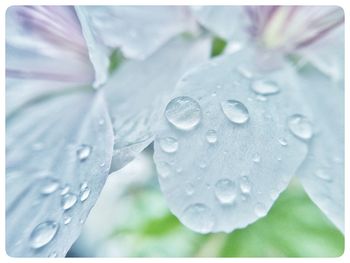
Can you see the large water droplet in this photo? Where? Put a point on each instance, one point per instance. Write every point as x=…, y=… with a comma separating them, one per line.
x=300, y=126
x=84, y=192
x=183, y=112
x=225, y=191
x=265, y=87
x=43, y=233
x=68, y=201
x=245, y=185
x=168, y=144
x=198, y=217
x=235, y=111
x=211, y=136
x=84, y=152
x=260, y=209
x=322, y=174
x=49, y=185
x=164, y=169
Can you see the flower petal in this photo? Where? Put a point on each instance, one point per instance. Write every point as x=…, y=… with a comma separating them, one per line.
x=223, y=152
x=322, y=172
x=139, y=30
x=138, y=90
x=58, y=156
x=46, y=43
x=228, y=22
x=98, y=53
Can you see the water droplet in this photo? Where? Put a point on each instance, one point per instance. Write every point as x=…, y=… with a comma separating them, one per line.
x=260, y=209
x=283, y=141
x=164, y=169
x=225, y=191
x=256, y=158
x=43, y=233
x=261, y=98
x=245, y=185
x=213, y=94
x=189, y=189
x=235, y=111
x=218, y=86
x=53, y=254
x=84, y=152
x=101, y=122
x=84, y=192
x=245, y=72
x=211, y=136
x=322, y=174
x=198, y=217
x=265, y=87
x=169, y=144
x=102, y=164
x=273, y=194
x=49, y=185
x=67, y=219
x=300, y=126
x=68, y=201
x=202, y=164
x=183, y=112
x=65, y=189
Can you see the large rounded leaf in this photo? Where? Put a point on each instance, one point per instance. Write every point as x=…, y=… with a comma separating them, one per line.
x=223, y=148
x=58, y=154
x=138, y=91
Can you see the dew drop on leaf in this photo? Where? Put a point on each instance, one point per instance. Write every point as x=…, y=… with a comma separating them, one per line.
x=168, y=144
x=260, y=209
x=211, y=136
x=256, y=158
x=283, y=141
x=68, y=201
x=300, y=126
x=183, y=112
x=322, y=174
x=84, y=192
x=199, y=217
x=84, y=152
x=67, y=219
x=225, y=191
x=245, y=185
x=43, y=233
x=235, y=111
x=265, y=87
x=164, y=169
x=65, y=189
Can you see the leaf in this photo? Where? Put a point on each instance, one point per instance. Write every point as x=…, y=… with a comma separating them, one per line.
x=138, y=91
x=223, y=152
x=228, y=22
x=98, y=52
x=58, y=154
x=322, y=172
x=138, y=30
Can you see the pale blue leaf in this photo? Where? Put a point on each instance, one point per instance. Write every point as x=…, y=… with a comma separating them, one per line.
x=322, y=173
x=139, y=30
x=138, y=91
x=58, y=155
x=223, y=151
x=228, y=22
x=98, y=52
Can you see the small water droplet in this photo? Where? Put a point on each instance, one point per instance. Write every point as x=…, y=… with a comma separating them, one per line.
x=235, y=111
x=245, y=185
x=102, y=164
x=211, y=136
x=67, y=219
x=260, y=209
x=49, y=185
x=261, y=98
x=213, y=94
x=202, y=164
x=168, y=144
x=283, y=141
x=273, y=194
x=101, y=122
x=65, y=189
x=183, y=112
x=53, y=254
x=256, y=158
x=225, y=191
x=189, y=189
x=68, y=201
x=198, y=217
x=163, y=169
x=218, y=86
x=84, y=152
x=322, y=174
x=279, y=158
x=300, y=126
x=265, y=87
x=245, y=72
x=84, y=192
x=179, y=169
x=42, y=234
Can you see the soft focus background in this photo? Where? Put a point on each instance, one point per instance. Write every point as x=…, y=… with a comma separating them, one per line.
x=131, y=219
